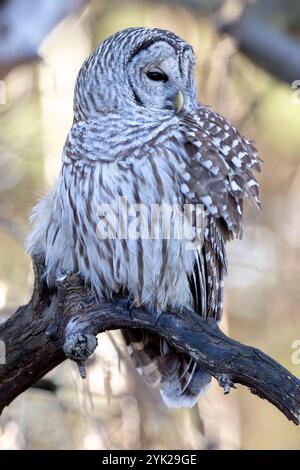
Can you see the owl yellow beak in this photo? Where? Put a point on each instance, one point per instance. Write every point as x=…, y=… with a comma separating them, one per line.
x=179, y=101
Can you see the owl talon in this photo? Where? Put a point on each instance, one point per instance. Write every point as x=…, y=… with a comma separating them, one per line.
x=156, y=313
x=130, y=306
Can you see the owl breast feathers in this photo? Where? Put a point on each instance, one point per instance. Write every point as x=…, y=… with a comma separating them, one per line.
x=141, y=140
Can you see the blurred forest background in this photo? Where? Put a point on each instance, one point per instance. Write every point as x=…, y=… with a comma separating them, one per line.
x=247, y=58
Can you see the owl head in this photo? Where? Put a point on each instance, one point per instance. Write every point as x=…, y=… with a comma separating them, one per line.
x=141, y=68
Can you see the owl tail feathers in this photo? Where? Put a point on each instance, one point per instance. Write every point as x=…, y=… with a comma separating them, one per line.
x=175, y=397
x=181, y=380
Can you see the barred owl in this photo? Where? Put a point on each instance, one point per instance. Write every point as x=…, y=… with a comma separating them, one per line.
x=139, y=132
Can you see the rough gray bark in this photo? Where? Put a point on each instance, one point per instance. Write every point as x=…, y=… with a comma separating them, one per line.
x=53, y=326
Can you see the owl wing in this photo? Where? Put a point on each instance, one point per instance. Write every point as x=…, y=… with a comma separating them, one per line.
x=206, y=280
x=218, y=172
x=219, y=166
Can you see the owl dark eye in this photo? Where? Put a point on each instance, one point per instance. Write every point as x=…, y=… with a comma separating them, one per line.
x=157, y=76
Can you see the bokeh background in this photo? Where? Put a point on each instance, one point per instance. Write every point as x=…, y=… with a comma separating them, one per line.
x=42, y=46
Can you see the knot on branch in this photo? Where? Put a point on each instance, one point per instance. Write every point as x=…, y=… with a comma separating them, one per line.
x=69, y=283
x=225, y=381
x=79, y=347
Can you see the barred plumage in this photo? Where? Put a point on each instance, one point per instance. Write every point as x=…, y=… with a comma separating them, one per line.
x=130, y=138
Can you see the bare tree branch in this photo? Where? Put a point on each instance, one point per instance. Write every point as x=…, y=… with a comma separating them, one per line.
x=53, y=326
x=266, y=45
x=262, y=31
x=23, y=26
